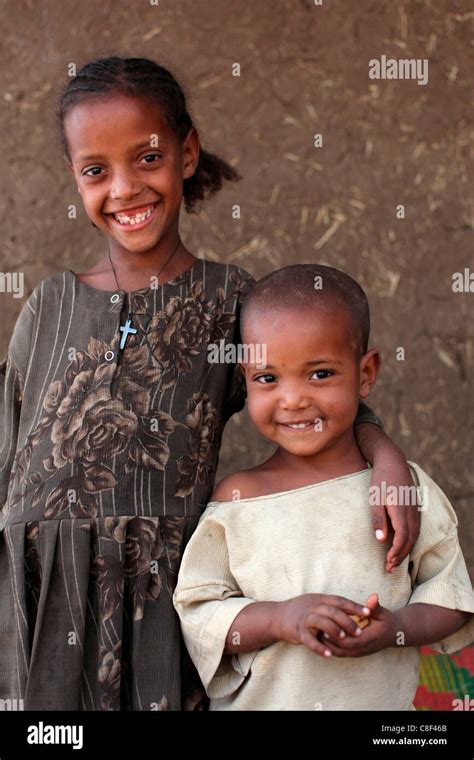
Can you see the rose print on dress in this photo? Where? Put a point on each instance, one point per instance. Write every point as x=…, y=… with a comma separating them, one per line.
x=109, y=678
x=178, y=333
x=88, y=427
x=151, y=549
x=196, y=465
x=98, y=410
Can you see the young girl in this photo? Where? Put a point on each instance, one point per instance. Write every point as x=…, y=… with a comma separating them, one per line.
x=112, y=416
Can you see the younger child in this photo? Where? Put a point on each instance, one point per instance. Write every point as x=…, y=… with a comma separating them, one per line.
x=282, y=556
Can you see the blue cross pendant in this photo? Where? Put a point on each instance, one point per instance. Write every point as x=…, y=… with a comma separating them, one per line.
x=126, y=330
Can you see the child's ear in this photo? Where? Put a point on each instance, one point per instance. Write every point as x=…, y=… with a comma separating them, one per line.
x=369, y=369
x=191, y=151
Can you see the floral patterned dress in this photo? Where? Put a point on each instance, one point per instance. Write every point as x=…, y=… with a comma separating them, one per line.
x=107, y=460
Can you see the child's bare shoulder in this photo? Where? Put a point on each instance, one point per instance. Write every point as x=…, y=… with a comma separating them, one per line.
x=246, y=484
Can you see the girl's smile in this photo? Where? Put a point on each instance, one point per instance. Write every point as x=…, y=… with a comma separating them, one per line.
x=129, y=167
x=135, y=218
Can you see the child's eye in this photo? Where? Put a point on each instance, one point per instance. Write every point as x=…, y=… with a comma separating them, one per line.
x=93, y=168
x=152, y=155
x=262, y=377
x=323, y=374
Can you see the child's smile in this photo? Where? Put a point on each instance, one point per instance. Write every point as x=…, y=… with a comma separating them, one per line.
x=306, y=398
x=305, y=425
x=129, y=167
x=134, y=218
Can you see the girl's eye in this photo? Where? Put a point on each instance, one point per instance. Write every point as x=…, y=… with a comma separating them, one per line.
x=262, y=377
x=322, y=374
x=152, y=155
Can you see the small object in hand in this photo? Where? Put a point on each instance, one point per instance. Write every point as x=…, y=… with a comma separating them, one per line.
x=360, y=621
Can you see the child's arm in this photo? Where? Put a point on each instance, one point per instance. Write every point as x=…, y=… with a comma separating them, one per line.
x=440, y=609
x=13, y=370
x=209, y=602
x=427, y=623
x=390, y=468
x=207, y=599
x=296, y=621
x=10, y=388
x=412, y=626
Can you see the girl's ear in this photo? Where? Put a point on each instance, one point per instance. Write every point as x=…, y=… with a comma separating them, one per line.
x=369, y=369
x=191, y=150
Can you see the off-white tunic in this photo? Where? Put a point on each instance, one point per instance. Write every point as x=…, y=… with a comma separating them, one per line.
x=314, y=539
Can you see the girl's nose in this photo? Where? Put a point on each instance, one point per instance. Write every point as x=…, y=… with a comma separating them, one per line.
x=124, y=186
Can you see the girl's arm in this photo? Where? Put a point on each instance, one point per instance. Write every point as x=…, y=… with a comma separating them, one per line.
x=10, y=389
x=12, y=373
x=390, y=475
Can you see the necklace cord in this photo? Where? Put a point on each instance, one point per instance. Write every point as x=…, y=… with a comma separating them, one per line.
x=130, y=315
x=157, y=275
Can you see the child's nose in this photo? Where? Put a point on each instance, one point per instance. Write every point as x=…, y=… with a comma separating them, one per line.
x=293, y=398
x=124, y=185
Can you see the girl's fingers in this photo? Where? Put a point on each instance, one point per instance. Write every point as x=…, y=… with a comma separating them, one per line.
x=379, y=522
x=406, y=533
x=401, y=539
x=413, y=520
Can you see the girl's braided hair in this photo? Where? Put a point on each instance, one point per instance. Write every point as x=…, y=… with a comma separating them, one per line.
x=141, y=77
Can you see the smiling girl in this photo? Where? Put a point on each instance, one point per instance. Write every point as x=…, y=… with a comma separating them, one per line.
x=112, y=416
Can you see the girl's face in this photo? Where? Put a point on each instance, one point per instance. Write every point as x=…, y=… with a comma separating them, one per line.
x=127, y=161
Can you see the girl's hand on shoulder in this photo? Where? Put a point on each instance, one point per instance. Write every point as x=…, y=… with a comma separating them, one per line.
x=380, y=633
x=304, y=619
x=391, y=478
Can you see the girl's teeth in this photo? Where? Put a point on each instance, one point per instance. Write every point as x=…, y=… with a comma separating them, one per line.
x=299, y=425
x=133, y=219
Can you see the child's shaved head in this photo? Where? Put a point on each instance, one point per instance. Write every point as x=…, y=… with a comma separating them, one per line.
x=303, y=287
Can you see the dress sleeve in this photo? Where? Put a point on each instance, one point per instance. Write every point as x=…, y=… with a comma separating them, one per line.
x=438, y=569
x=12, y=377
x=365, y=414
x=207, y=600
x=11, y=390
x=236, y=392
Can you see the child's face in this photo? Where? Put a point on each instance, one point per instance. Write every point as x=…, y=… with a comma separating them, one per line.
x=313, y=374
x=126, y=158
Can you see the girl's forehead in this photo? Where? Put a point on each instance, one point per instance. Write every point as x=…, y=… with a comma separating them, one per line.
x=119, y=110
x=118, y=119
